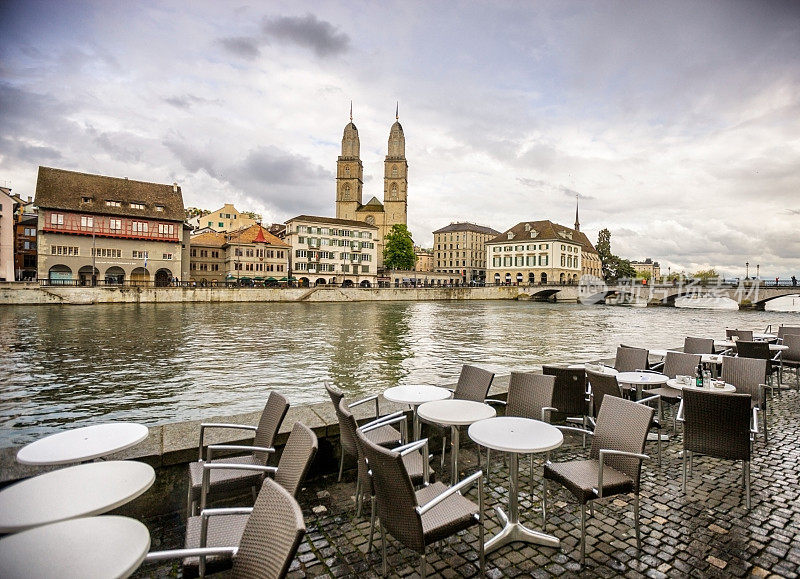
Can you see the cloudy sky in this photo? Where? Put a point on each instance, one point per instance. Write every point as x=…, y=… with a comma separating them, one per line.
x=677, y=123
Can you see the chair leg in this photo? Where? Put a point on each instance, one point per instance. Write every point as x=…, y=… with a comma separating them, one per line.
x=488, y=463
x=636, y=521
x=341, y=466
x=371, y=523
x=383, y=550
x=659, y=447
x=746, y=474
x=683, y=460
x=422, y=566
x=444, y=439
x=359, y=498
x=583, y=534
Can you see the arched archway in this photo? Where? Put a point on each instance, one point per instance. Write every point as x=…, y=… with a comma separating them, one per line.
x=497, y=279
x=365, y=283
x=508, y=279
x=115, y=276
x=561, y=277
x=519, y=278
x=531, y=278
x=543, y=278
x=60, y=275
x=347, y=283
x=320, y=281
x=163, y=277
x=302, y=282
x=140, y=276
x=87, y=275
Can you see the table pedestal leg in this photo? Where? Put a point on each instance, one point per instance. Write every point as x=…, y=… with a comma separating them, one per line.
x=415, y=426
x=454, y=454
x=513, y=530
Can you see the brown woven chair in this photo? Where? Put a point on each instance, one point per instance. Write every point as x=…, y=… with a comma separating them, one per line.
x=569, y=390
x=268, y=542
x=698, y=345
x=675, y=364
x=784, y=331
x=718, y=425
x=615, y=460
x=745, y=335
x=606, y=385
x=231, y=482
x=747, y=375
x=761, y=351
x=418, y=519
x=387, y=435
x=209, y=530
x=791, y=357
x=630, y=359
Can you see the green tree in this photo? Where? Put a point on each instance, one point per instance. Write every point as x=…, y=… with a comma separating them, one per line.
x=706, y=274
x=614, y=267
x=399, y=250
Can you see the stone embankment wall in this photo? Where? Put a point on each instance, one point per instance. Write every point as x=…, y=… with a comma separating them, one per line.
x=34, y=294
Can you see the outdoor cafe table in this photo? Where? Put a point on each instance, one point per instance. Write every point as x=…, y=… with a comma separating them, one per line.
x=705, y=358
x=673, y=383
x=731, y=344
x=108, y=546
x=81, y=444
x=598, y=368
x=75, y=491
x=641, y=379
x=516, y=436
x=414, y=396
x=455, y=413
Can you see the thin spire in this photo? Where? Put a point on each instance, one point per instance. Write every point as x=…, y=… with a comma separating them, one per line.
x=577, y=223
x=351, y=111
x=397, y=111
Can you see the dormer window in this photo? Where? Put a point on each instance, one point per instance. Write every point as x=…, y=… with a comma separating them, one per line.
x=159, y=208
x=527, y=227
x=534, y=233
x=137, y=205
x=112, y=203
x=86, y=199
x=511, y=235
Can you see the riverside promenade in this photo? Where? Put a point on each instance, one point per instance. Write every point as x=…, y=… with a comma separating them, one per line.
x=706, y=532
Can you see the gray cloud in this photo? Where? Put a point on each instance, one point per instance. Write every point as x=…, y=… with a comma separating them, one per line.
x=28, y=153
x=309, y=32
x=243, y=46
x=540, y=184
x=187, y=101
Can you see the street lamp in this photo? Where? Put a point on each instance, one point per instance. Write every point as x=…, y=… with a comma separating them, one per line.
x=747, y=265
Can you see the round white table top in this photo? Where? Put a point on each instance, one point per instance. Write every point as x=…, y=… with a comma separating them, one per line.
x=764, y=336
x=455, y=412
x=513, y=434
x=673, y=383
x=641, y=378
x=778, y=347
x=75, y=491
x=706, y=358
x=599, y=368
x=99, y=547
x=82, y=444
x=413, y=395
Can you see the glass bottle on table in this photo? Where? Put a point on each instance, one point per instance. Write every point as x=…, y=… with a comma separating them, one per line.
x=698, y=375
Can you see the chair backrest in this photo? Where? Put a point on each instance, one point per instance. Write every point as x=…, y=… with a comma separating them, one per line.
x=746, y=335
x=270, y=422
x=698, y=345
x=792, y=341
x=528, y=393
x=622, y=425
x=297, y=456
x=347, y=432
x=602, y=385
x=784, y=331
x=717, y=424
x=760, y=350
x=271, y=535
x=569, y=392
x=473, y=383
x=746, y=374
x=630, y=359
x=677, y=364
x=394, y=494
x=348, y=422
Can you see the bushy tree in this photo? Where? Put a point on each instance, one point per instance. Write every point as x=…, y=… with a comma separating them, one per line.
x=706, y=274
x=399, y=250
x=614, y=267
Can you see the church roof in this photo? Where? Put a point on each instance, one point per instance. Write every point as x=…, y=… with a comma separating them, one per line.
x=466, y=226
x=372, y=205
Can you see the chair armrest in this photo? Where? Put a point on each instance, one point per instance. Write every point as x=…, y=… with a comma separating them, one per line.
x=205, y=425
x=546, y=410
x=213, y=448
x=655, y=367
x=603, y=452
x=492, y=401
x=679, y=415
x=451, y=491
x=209, y=466
x=649, y=399
x=205, y=514
x=181, y=553
x=580, y=431
x=421, y=445
x=398, y=417
x=368, y=399
x=411, y=447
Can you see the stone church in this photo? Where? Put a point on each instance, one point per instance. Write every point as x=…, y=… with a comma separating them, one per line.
x=350, y=182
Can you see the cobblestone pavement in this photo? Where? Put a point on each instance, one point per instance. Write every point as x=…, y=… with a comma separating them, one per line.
x=705, y=533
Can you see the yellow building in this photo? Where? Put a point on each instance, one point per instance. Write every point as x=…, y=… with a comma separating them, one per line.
x=647, y=268
x=459, y=249
x=227, y=218
x=424, y=259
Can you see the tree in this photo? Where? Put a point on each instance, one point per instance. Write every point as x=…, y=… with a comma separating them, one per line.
x=399, y=250
x=706, y=274
x=614, y=267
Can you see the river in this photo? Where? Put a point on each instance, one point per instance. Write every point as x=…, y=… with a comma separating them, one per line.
x=159, y=363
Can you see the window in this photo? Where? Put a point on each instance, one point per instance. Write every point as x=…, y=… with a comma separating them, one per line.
x=64, y=250
x=139, y=226
x=166, y=256
x=364, y=268
x=301, y=253
x=30, y=231
x=215, y=254
x=166, y=229
x=137, y=206
x=221, y=224
x=507, y=260
x=57, y=219
x=139, y=254
x=193, y=253
x=159, y=208
x=115, y=224
x=86, y=199
x=87, y=221
x=106, y=252
x=111, y=203
x=496, y=262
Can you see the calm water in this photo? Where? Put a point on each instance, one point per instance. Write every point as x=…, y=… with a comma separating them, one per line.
x=158, y=363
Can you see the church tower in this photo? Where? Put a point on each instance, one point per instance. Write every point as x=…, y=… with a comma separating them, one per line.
x=349, y=173
x=395, y=180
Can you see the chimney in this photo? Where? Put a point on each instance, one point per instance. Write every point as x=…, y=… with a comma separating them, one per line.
x=174, y=187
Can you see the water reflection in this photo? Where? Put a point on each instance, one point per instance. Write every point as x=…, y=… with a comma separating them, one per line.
x=158, y=363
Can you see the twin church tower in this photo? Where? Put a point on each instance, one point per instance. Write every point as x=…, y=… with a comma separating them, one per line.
x=350, y=183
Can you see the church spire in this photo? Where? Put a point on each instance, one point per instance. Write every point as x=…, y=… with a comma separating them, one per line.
x=397, y=111
x=577, y=223
x=351, y=111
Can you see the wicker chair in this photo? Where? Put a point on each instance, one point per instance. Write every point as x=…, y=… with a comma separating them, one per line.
x=386, y=435
x=208, y=530
x=418, y=519
x=606, y=385
x=761, y=351
x=630, y=359
x=233, y=481
x=268, y=542
x=747, y=375
x=698, y=345
x=784, y=331
x=675, y=364
x=569, y=391
x=745, y=335
x=717, y=425
x=615, y=461
x=791, y=357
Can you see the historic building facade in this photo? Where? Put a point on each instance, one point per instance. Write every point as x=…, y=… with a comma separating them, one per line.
x=6, y=235
x=227, y=218
x=647, y=268
x=350, y=185
x=459, y=249
x=97, y=229
x=325, y=250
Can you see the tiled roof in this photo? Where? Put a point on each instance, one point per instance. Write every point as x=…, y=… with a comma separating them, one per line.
x=331, y=220
x=466, y=226
x=545, y=230
x=208, y=239
x=66, y=190
x=372, y=206
x=250, y=234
